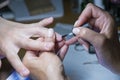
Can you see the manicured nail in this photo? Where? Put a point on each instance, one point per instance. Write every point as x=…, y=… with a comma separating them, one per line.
x=24, y=73
x=76, y=30
x=76, y=23
x=50, y=32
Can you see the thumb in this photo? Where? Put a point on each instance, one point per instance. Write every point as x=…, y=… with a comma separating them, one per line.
x=87, y=35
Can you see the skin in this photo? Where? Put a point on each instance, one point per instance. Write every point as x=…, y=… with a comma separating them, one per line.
x=103, y=36
x=14, y=36
x=47, y=64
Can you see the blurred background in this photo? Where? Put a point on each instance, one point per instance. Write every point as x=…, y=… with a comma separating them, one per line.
x=29, y=10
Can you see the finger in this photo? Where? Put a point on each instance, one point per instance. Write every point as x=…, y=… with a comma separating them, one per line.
x=63, y=51
x=17, y=64
x=58, y=37
x=91, y=11
x=87, y=35
x=46, y=21
x=38, y=45
x=71, y=41
x=51, y=36
x=38, y=28
x=84, y=43
x=29, y=58
x=10, y=51
x=36, y=31
x=60, y=44
x=42, y=23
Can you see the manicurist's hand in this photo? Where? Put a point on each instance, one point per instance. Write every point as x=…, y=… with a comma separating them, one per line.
x=103, y=36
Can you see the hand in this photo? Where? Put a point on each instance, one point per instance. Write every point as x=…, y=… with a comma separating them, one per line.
x=60, y=46
x=103, y=37
x=45, y=66
x=14, y=36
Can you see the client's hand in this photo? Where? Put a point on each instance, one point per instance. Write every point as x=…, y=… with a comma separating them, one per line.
x=44, y=65
x=14, y=36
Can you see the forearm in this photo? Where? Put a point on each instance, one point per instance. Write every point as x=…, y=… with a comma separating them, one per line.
x=115, y=63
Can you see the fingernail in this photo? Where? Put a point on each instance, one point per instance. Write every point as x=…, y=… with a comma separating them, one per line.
x=76, y=23
x=50, y=32
x=75, y=30
x=24, y=73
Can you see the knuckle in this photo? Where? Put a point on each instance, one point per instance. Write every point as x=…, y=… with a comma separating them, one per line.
x=83, y=31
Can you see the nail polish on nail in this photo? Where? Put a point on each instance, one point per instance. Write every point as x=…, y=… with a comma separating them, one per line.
x=50, y=32
x=75, y=30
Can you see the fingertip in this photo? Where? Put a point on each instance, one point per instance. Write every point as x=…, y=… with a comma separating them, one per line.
x=63, y=51
x=76, y=31
x=89, y=4
x=24, y=72
x=50, y=19
x=71, y=41
x=18, y=65
x=46, y=21
x=58, y=37
x=76, y=23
